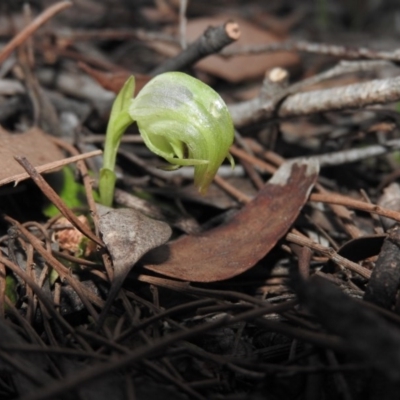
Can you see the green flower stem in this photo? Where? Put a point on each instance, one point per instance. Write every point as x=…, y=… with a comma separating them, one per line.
x=120, y=120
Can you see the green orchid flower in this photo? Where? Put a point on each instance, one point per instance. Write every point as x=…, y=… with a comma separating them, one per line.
x=180, y=118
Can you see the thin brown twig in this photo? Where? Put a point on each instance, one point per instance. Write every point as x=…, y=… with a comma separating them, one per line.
x=25, y=34
x=343, y=214
x=56, y=200
x=31, y=348
x=31, y=297
x=146, y=322
x=212, y=41
x=35, y=338
x=70, y=383
x=87, y=180
x=38, y=291
x=79, y=35
x=252, y=159
x=231, y=190
x=186, y=287
x=317, y=48
x=329, y=198
x=37, y=376
x=333, y=198
x=184, y=387
x=63, y=271
x=49, y=167
x=252, y=172
x=330, y=253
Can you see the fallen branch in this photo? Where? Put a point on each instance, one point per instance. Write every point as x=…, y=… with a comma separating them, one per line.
x=357, y=95
x=212, y=41
x=50, y=167
x=56, y=200
x=316, y=48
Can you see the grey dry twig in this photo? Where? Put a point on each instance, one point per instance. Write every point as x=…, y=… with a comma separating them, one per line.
x=212, y=41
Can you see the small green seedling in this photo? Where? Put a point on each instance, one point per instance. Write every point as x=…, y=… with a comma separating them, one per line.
x=71, y=192
x=180, y=118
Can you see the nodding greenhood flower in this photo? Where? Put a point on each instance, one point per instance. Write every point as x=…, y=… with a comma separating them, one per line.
x=180, y=118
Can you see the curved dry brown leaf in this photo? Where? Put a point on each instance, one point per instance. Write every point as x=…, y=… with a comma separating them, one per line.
x=127, y=234
x=233, y=248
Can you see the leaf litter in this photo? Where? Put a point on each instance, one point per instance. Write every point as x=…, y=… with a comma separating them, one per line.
x=128, y=235
x=220, y=312
x=33, y=144
x=230, y=249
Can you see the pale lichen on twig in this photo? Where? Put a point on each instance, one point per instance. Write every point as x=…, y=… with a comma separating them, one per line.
x=290, y=103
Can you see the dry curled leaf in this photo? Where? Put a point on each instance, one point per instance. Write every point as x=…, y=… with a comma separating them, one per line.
x=383, y=286
x=128, y=235
x=233, y=248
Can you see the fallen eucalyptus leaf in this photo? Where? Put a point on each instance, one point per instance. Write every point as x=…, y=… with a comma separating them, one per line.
x=238, y=245
x=128, y=235
x=33, y=144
